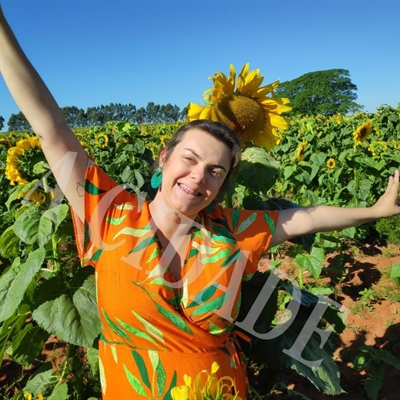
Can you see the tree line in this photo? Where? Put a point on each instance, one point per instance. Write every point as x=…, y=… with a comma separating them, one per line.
x=327, y=92
x=96, y=116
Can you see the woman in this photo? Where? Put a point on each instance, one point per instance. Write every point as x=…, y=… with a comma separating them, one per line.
x=168, y=272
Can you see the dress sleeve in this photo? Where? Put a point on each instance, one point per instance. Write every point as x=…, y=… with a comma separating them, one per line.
x=253, y=231
x=101, y=193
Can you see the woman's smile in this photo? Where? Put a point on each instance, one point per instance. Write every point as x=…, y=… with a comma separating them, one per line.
x=189, y=191
x=194, y=172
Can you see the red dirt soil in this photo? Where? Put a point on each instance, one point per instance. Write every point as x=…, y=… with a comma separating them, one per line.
x=377, y=325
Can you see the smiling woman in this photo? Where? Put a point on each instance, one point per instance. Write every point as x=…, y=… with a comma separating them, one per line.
x=196, y=166
x=169, y=271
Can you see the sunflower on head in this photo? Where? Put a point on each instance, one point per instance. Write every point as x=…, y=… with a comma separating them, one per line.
x=244, y=106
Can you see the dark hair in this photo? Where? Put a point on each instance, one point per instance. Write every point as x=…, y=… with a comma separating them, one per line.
x=219, y=131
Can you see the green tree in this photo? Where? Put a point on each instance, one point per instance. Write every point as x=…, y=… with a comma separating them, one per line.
x=152, y=111
x=18, y=122
x=1, y=122
x=326, y=92
x=75, y=117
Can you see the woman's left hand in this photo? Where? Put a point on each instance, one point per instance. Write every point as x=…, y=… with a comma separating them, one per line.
x=388, y=204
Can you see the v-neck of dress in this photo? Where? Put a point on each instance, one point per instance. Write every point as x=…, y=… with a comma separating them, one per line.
x=183, y=261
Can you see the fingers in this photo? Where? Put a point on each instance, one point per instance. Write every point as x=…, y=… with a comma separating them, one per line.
x=393, y=182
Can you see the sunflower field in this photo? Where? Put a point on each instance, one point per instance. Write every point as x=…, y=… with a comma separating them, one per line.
x=339, y=160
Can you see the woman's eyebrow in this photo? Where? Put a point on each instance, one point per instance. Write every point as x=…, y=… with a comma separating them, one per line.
x=201, y=158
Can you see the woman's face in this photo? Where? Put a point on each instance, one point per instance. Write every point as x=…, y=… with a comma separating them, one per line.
x=194, y=172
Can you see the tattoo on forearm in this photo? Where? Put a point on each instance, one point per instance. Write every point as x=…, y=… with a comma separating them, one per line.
x=80, y=189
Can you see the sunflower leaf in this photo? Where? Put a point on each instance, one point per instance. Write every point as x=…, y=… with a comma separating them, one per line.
x=258, y=170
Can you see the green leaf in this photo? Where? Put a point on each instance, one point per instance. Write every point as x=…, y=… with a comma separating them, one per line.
x=212, y=259
x=40, y=168
x=60, y=392
x=143, y=244
x=325, y=378
x=135, y=383
x=246, y=223
x=142, y=368
x=175, y=319
x=364, y=189
x=11, y=327
x=258, y=170
x=116, y=221
x=395, y=271
x=161, y=378
x=349, y=232
x=40, y=379
x=372, y=388
x=172, y=385
x=16, y=280
x=50, y=221
x=313, y=262
x=151, y=329
x=9, y=243
x=23, y=188
x=93, y=359
x=28, y=344
x=132, y=232
x=114, y=327
x=135, y=331
x=127, y=174
x=139, y=178
x=26, y=227
x=74, y=320
x=93, y=189
x=318, y=158
x=389, y=358
x=212, y=305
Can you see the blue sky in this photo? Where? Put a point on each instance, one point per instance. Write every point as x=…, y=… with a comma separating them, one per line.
x=99, y=52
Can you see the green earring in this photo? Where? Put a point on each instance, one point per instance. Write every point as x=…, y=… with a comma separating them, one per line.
x=156, y=179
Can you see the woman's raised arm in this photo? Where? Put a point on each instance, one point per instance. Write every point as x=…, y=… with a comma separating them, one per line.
x=62, y=149
x=302, y=221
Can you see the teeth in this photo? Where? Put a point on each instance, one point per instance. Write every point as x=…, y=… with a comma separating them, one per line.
x=187, y=190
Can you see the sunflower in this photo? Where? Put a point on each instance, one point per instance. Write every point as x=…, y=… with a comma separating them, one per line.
x=362, y=132
x=5, y=143
x=377, y=148
x=331, y=163
x=394, y=144
x=244, y=106
x=28, y=396
x=205, y=386
x=14, y=162
x=153, y=148
x=101, y=140
x=300, y=150
x=164, y=139
x=87, y=147
x=338, y=119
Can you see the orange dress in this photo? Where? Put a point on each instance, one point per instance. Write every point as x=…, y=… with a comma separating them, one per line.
x=155, y=329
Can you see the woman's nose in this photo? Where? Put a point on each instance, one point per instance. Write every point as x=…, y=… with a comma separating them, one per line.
x=198, y=174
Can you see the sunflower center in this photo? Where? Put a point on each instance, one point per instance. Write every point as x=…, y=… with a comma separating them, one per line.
x=363, y=133
x=241, y=113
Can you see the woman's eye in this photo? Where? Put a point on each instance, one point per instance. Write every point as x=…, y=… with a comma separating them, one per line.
x=216, y=173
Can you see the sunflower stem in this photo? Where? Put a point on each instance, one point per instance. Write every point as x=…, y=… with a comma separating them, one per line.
x=54, y=246
x=300, y=277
